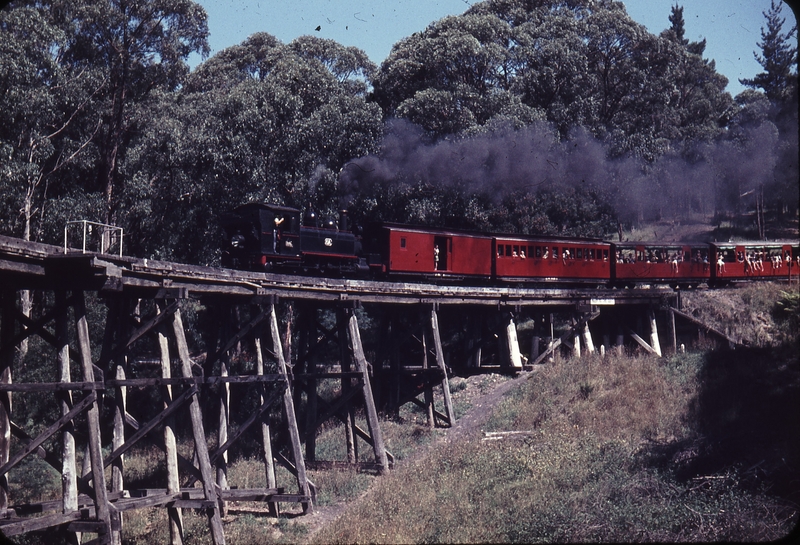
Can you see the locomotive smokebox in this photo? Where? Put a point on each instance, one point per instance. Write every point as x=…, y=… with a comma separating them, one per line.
x=344, y=221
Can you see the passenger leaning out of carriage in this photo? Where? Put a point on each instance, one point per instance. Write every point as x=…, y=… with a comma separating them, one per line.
x=720, y=265
x=748, y=263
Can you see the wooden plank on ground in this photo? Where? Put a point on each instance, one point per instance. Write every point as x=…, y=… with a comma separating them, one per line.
x=707, y=328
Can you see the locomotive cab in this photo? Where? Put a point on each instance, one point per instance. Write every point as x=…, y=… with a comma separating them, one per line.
x=260, y=235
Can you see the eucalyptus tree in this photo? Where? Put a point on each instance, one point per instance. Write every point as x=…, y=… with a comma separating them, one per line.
x=452, y=77
x=141, y=46
x=572, y=62
x=701, y=106
x=73, y=74
x=48, y=120
x=261, y=120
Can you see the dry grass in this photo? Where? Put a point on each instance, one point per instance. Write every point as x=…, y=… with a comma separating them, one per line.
x=745, y=312
x=591, y=468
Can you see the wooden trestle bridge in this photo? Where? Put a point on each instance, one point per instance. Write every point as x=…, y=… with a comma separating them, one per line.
x=125, y=369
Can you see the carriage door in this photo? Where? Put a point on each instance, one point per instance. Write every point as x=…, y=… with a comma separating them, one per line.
x=442, y=253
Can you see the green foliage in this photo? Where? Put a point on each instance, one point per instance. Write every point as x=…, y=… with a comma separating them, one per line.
x=259, y=121
x=104, y=121
x=576, y=64
x=778, y=58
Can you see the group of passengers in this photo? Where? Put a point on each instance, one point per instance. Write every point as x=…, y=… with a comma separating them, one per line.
x=652, y=256
x=754, y=261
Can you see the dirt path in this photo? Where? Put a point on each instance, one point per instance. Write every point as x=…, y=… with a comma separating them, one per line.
x=468, y=425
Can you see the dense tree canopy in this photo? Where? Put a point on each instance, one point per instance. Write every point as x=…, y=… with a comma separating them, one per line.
x=553, y=116
x=577, y=63
x=259, y=121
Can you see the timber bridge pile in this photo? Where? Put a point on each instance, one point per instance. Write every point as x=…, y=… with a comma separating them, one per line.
x=102, y=388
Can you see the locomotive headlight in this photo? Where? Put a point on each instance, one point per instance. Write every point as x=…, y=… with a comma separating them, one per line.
x=237, y=241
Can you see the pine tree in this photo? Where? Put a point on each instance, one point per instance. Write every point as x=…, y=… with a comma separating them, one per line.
x=678, y=27
x=778, y=58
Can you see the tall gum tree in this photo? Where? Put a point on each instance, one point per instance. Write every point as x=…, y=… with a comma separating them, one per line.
x=141, y=46
x=260, y=120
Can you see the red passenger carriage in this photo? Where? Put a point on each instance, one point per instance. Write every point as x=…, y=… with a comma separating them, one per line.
x=676, y=263
x=544, y=259
x=734, y=261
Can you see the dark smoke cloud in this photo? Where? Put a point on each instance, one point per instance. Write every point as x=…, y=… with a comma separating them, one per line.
x=494, y=164
x=506, y=161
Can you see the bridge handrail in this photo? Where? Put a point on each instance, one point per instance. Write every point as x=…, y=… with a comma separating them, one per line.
x=105, y=234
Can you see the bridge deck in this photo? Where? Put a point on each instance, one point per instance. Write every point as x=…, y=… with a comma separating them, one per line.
x=29, y=265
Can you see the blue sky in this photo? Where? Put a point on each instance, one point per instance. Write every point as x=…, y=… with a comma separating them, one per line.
x=732, y=28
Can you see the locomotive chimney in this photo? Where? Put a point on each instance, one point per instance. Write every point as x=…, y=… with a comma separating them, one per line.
x=310, y=217
x=344, y=222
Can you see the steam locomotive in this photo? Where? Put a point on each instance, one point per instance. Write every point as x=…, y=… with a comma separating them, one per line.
x=267, y=237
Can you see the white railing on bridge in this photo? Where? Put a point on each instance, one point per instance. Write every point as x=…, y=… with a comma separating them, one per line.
x=96, y=237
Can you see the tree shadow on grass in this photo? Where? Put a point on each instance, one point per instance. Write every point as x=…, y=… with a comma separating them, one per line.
x=746, y=419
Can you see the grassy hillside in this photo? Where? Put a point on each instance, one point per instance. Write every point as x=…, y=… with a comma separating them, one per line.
x=697, y=447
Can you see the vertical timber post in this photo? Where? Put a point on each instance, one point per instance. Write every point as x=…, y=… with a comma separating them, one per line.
x=92, y=416
x=654, y=332
x=512, y=342
x=672, y=331
x=6, y=340
x=200, y=445
x=288, y=406
x=174, y=514
x=587, y=338
x=394, y=364
x=266, y=439
x=344, y=362
x=69, y=467
x=576, y=339
x=437, y=342
x=115, y=324
x=535, y=347
x=474, y=330
x=372, y=414
x=428, y=394
x=224, y=412
x=308, y=326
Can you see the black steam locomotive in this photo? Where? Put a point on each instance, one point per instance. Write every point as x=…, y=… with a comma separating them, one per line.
x=267, y=237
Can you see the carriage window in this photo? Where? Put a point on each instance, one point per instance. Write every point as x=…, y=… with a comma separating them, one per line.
x=499, y=250
x=402, y=242
x=579, y=253
x=555, y=252
x=508, y=250
x=538, y=251
x=605, y=255
x=591, y=254
x=515, y=251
